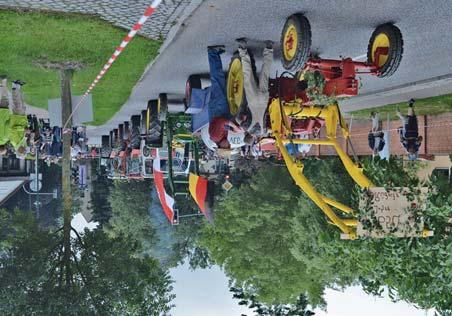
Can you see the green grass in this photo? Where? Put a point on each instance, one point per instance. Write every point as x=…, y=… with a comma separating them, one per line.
x=30, y=37
x=427, y=106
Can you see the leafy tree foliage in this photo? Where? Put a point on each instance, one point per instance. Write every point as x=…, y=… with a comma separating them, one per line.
x=251, y=235
x=102, y=277
x=273, y=241
x=297, y=309
x=175, y=244
x=187, y=246
x=101, y=187
x=129, y=202
x=138, y=217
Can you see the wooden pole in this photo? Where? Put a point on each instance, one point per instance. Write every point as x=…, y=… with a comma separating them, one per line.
x=66, y=109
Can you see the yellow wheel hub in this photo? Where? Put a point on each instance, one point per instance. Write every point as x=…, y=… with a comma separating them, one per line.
x=381, y=40
x=235, y=86
x=290, y=42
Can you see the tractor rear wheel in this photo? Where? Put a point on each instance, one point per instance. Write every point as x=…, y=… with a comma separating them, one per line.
x=162, y=107
x=105, y=141
x=135, y=137
x=295, y=42
x=193, y=82
x=143, y=121
x=126, y=130
x=121, y=131
x=106, y=146
x=234, y=85
x=135, y=120
x=112, y=139
x=116, y=141
x=386, y=36
x=153, y=125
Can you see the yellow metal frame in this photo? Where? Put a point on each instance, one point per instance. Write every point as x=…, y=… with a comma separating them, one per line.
x=279, y=115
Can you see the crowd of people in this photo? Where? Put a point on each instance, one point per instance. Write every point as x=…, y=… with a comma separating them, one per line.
x=15, y=133
x=242, y=130
x=25, y=136
x=408, y=132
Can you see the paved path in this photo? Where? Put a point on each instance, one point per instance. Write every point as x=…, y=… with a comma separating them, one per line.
x=338, y=28
x=122, y=13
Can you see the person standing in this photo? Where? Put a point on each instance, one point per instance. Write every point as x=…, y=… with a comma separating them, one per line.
x=56, y=148
x=4, y=116
x=221, y=126
x=256, y=92
x=409, y=133
x=218, y=101
x=4, y=99
x=18, y=120
x=18, y=99
x=376, y=135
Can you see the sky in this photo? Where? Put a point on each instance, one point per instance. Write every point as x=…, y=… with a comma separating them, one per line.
x=79, y=224
x=205, y=293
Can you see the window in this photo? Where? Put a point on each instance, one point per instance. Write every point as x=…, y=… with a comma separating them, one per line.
x=14, y=164
x=4, y=164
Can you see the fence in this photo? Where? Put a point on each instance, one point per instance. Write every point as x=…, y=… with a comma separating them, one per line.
x=436, y=131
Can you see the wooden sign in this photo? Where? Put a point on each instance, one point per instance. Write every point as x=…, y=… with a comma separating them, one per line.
x=392, y=212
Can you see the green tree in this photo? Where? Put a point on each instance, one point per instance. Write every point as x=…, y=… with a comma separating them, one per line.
x=273, y=241
x=175, y=244
x=101, y=187
x=187, y=246
x=417, y=270
x=129, y=202
x=297, y=309
x=251, y=235
x=102, y=277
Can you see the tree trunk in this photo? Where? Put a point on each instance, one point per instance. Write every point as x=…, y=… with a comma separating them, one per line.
x=66, y=108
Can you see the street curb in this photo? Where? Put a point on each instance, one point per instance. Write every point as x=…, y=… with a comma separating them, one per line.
x=418, y=84
x=412, y=87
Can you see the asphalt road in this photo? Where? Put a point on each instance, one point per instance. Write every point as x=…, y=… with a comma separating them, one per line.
x=339, y=28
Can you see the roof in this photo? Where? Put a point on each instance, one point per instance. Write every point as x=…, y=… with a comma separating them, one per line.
x=9, y=186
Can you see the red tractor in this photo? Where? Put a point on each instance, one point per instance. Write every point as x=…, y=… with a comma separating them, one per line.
x=308, y=74
x=384, y=54
x=312, y=81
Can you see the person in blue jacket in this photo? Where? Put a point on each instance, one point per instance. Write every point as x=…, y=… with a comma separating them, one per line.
x=409, y=133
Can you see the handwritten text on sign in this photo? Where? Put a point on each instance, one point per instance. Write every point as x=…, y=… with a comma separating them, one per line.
x=392, y=213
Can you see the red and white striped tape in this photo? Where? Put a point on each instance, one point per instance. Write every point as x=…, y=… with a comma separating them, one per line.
x=117, y=52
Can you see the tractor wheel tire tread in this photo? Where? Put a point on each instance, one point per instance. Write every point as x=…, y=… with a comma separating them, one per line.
x=304, y=41
x=395, y=48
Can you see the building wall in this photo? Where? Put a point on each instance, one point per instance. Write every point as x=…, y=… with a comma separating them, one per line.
x=12, y=166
